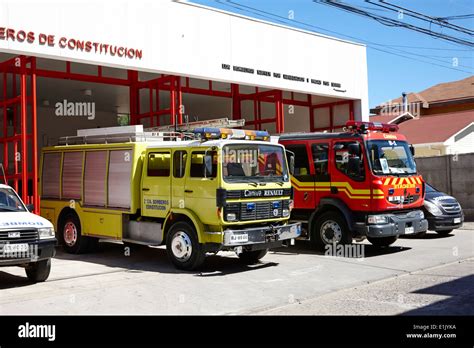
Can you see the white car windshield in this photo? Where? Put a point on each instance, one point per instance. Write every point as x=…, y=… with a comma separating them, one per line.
x=9, y=201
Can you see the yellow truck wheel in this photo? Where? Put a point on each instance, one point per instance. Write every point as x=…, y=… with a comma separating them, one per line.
x=183, y=248
x=71, y=237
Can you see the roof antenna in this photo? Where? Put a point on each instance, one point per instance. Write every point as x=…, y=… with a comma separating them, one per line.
x=3, y=172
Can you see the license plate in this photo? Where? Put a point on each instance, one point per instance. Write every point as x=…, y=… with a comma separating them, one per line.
x=295, y=230
x=457, y=220
x=15, y=248
x=409, y=230
x=239, y=238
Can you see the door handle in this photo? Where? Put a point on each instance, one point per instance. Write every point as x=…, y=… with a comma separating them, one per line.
x=334, y=189
x=188, y=191
x=145, y=189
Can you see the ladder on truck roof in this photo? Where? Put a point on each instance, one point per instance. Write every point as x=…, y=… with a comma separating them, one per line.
x=121, y=134
x=137, y=133
x=190, y=126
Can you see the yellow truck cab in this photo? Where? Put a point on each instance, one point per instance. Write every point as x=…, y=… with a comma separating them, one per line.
x=197, y=192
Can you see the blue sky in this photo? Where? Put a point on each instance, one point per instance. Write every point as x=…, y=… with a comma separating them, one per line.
x=390, y=74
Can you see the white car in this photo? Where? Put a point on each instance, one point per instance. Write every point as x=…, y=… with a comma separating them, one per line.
x=26, y=240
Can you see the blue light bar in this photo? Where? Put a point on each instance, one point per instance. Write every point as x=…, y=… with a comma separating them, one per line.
x=208, y=133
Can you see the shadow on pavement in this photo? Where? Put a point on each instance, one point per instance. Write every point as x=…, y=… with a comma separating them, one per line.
x=151, y=259
x=305, y=247
x=428, y=235
x=459, y=302
x=8, y=281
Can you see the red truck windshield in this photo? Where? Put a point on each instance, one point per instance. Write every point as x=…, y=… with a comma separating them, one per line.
x=390, y=157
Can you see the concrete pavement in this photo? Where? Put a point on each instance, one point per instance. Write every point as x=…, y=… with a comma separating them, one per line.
x=110, y=282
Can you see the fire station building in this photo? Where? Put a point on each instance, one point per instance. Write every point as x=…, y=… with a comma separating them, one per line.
x=69, y=65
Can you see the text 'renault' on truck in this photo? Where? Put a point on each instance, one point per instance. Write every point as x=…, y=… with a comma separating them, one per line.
x=361, y=183
x=198, y=190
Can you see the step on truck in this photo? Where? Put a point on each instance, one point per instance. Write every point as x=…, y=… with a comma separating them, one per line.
x=197, y=191
x=357, y=184
x=26, y=240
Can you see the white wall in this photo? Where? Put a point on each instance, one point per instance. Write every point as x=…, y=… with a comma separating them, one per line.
x=190, y=40
x=463, y=145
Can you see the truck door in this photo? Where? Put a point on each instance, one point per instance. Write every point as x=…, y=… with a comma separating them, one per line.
x=302, y=179
x=348, y=179
x=201, y=185
x=156, y=183
x=320, y=159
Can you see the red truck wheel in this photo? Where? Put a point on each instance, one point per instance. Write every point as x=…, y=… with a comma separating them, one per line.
x=330, y=228
x=252, y=257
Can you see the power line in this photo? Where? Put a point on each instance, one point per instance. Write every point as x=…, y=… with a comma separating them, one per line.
x=426, y=18
x=433, y=48
x=393, y=22
x=466, y=16
x=284, y=20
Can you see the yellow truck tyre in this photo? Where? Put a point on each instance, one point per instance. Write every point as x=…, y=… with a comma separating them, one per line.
x=71, y=237
x=38, y=271
x=183, y=248
x=252, y=257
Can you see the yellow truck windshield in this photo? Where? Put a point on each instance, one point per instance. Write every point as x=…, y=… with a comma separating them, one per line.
x=243, y=162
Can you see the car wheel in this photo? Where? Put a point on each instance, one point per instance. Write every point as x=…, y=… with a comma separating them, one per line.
x=383, y=241
x=444, y=233
x=38, y=271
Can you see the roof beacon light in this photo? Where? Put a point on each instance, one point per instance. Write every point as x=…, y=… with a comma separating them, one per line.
x=363, y=127
x=208, y=133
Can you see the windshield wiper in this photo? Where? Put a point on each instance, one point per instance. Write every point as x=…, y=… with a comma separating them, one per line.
x=8, y=209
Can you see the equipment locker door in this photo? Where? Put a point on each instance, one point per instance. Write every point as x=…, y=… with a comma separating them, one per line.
x=156, y=183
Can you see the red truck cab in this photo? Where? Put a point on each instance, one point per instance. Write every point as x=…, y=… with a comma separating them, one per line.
x=361, y=183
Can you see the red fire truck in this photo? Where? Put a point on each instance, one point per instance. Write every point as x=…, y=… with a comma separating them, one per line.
x=361, y=183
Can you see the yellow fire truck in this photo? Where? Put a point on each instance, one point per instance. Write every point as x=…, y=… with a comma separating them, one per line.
x=198, y=191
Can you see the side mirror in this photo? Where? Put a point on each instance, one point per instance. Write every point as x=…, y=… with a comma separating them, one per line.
x=30, y=207
x=354, y=149
x=353, y=166
x=290, y=156
x=412, y=150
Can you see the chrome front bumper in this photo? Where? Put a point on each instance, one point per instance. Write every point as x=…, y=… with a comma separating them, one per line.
x=271, y=235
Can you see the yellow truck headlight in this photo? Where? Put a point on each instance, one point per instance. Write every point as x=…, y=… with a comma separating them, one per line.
x=46, y=232
x=231, y=217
